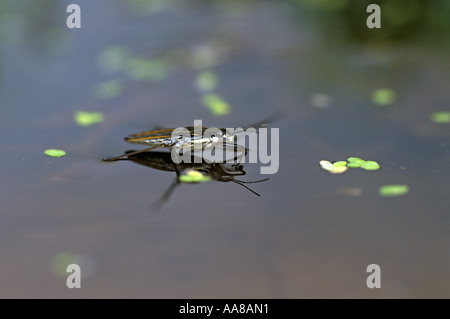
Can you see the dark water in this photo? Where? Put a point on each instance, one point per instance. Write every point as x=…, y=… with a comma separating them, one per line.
x=306, y=236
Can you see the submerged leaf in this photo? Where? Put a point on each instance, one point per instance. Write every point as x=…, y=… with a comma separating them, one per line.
x=440, y=117
x=383, y=96
x=84, y=118
x=206, y=81
x=54, y=153
x=393, y=190
x=216, y=104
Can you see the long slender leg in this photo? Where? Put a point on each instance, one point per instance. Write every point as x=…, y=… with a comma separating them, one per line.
x=112, y=159
x=243, y=182
x=167, y=194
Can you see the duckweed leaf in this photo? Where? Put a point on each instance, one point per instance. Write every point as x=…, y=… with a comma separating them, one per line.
x=370, y=165
x=83, y=118
x=383, y=96
x=440, y=117
x=216, y=104
x=54, y=153
x=338, y=170
x=328, y=166
x=193, y=176
x=393, y=190
x=355, y=160
x=340, y=164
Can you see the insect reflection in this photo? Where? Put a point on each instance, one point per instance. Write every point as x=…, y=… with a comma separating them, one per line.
x=215, y=171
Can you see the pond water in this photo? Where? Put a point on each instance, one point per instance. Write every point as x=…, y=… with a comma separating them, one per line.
x=310, y=234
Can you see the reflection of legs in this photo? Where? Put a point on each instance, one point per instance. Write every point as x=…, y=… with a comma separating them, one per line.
x=167, y=194
x=112, y=159
x=243, y=182
x=236, y=148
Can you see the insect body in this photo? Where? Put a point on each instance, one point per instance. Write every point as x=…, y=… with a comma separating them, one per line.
x=188, y=138
x=167, y=138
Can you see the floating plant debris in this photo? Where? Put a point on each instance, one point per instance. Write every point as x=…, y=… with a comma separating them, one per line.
x=383, y=96
x=206, y=81
x=353, y=162
x=193, y=176
x=216, y=104
x=334, y=169
x=393, y=190
x=54, y=152
x=83, y=118
x=440, y=117
x=370, y=165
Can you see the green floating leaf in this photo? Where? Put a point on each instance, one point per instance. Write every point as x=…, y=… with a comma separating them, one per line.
x=383, y=96
x=340, y=164
x=440, y=117
x=354, y=165
x=54, y=152
x=113, y=59
x=328, y=166
x=393, y=190
x=148, y=69
x=206, y=81
x=108, y=89
x=193, y=176
x=370, y=165
x=216, y=104
x=83, y=118
x=355, y=160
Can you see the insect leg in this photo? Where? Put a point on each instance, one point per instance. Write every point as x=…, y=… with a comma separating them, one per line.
x=239, y=149
x=167, y=194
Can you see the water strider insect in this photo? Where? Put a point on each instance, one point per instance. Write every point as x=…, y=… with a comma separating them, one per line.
x=163, y=161
x=169, y=138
